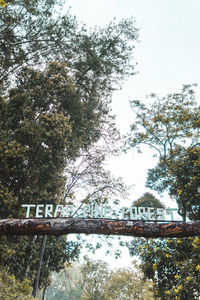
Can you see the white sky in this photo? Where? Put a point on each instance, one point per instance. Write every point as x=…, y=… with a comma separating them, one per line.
x=167, y=56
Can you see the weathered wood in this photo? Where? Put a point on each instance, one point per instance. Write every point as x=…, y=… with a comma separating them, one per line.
x=60, y=226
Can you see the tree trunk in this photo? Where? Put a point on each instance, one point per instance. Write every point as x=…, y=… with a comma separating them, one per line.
x=60, y=226
x=37, y=277
x=43, y=294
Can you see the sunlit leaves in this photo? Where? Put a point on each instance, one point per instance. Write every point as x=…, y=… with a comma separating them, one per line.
x=170, y=126
x=11, y=289
x=3, y=3
x=172, y=264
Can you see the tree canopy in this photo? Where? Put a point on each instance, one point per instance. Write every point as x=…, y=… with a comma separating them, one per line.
x=56, y=83
x=34, y=33
x=148, y=200
x=96, y=280
x=170, y=125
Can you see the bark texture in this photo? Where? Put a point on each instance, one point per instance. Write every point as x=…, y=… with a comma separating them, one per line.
x=60, y=226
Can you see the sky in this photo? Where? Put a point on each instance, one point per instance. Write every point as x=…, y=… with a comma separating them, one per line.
x=167, y=57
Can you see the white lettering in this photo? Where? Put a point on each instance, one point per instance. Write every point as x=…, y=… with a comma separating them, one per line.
x=28, y=206
x=59, y=209
x=160, y=213
x=48, y=210
x=70, y=209
x=133, y=212
x=151, y=213
x=141, y=211
x=85, y=210
x=39, y=210
x=107, y=211
x=98, y=211
x=123, y=211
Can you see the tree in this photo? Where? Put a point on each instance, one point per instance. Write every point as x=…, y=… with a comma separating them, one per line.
x=183, y=182
x=148, y=200
x=52, y=113
x=171, y=127
x=99, y=282
x=66, y=284
x=34, y=141
x=127, y=283
x=172, y=265
x=95, y=280
x=30, y=34
x=34, y=33
x=88, y=177
x=11, y=289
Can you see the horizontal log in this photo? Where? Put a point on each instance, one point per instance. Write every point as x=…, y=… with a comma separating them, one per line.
x=61, y=226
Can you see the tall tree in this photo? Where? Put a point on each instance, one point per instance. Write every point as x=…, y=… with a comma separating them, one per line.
x=52, y=112
x=170, y=126
x=33, y=33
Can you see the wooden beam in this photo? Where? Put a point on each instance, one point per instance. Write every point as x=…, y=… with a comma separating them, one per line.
x=61, y=226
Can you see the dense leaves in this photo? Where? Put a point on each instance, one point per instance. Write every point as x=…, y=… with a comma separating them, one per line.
x=95, y=280
x=56, y=81
x=148, y=200
x=171, y=126
x=34, y=33
x=11, y=289
x=172, y=265
x=3, y=3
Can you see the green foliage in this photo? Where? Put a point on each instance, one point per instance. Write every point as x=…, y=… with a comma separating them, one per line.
x=36, y=139
x=56, y=80
x=126, y=283
x=183, y=182
x=34, y=33
x=20, y=255
x=95, y=280
x=29, y=34
x=171, y=126
x=172, y=265
x=164, y=122
x=11, y=289
x=94, y=275
x=3, y=3
x=148, y=200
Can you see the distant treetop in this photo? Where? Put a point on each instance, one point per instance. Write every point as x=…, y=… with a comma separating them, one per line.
x=148, y=200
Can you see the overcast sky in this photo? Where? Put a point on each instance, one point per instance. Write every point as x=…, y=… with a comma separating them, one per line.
x=167, y=57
